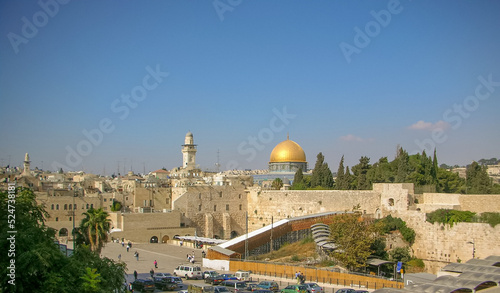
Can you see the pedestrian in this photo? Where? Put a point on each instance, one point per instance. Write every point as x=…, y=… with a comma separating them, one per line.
x=128, y=247
x=180, y=243
x=135, y=275
x=120, y=257
x=152, y=272
x=130, y=288
x=203, y=254
x=136, y=254
x=156, y=264
x=123, y=244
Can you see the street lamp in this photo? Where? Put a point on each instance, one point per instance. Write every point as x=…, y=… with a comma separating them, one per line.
x=473, y=248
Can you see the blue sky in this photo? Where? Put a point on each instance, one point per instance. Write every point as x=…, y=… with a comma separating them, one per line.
x=352, y=78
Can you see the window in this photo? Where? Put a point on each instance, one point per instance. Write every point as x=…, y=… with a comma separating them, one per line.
x=199, y=195
x=227, y=207
x=240, y=207
x=65, y=206
x=70, y=207
x=105, y=200
x=239, y=196
x=57, y=219
x=57, y=206
x=199, y=208
x=74, y=206
x=215, y=207
x=52, y=207
x=91, y=205
x=391, y=202
x=87, y=206
x=220, y=193
x=70, y=218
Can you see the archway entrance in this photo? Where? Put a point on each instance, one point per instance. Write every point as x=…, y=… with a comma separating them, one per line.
x=234, y=234
x=63, y=232
x=165, y=238
x=153, y=239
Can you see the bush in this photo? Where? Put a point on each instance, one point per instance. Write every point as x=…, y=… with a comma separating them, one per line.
x=491, y=218
x=447, y=216
x=390, y=223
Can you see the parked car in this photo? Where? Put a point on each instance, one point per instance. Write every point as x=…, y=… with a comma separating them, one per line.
x=235, y=285
x=165, y=283
x=313, y=288
x=252, y=287
x=221, y=289
x=345, y=290
x=214, y=280
x=294, y=289
x=269, y=285
x=177, y=280
x=162, y=275
x=228, y=276
x=207, y=274
x=242, y=275
x=361, y=291
x=142, y=285
x=189, y=272
x=262, y=291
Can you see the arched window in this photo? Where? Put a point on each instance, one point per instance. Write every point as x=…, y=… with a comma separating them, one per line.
x=87, y=206
x=63, y=232
x=70, y=207
x=57, y=206
x=91, y=205
x=65, y=206
x=74, y=206
x=52, y=207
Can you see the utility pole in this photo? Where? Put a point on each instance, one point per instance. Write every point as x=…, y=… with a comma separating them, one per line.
x=246, y=239
x=271, y=242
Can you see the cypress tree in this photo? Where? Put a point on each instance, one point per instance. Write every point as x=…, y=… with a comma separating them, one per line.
x=340, y=183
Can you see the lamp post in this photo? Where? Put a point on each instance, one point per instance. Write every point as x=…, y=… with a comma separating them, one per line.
x=473, y=248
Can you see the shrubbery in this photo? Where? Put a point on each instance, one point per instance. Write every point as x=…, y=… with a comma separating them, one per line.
x=390, y=223
x=447, y=216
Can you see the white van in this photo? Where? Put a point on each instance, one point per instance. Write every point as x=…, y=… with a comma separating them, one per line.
x=242, y=275
x=189, y=272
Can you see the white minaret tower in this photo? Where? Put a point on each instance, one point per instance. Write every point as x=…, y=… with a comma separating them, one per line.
x=189, y=152
x=27, y=171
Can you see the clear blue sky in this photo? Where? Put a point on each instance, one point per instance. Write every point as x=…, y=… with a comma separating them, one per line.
x=357, y=78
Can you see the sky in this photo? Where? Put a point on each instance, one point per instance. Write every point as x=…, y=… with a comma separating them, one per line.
x=108, y=86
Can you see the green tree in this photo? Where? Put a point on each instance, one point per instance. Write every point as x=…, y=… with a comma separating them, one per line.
x=360, y=172
x=341, y=183
x=401, y=165
x=400, y=254
x=478, y=181
x=354, y=237
x=95, y=226
x=91, y=280
x=297, y=179
x=277, y=184
x=322, y=177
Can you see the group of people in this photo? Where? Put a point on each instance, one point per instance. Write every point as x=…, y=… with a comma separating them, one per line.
x=300, y=277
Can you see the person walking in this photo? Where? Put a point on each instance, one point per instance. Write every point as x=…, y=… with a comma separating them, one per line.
x=136, y=254
x=135, y=275
x=128, y=247
x=119, y=257
x=156, y=264
x=152, y=273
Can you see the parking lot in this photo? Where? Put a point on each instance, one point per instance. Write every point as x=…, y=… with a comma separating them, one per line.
x=168, y=257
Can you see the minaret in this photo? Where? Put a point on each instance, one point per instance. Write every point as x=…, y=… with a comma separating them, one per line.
x=27, y=171
x=189, y=152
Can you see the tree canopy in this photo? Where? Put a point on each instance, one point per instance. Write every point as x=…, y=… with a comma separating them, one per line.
x=40, y=265
x=322, y=177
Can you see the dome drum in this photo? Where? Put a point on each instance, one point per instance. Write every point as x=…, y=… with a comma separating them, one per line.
x=287, y=156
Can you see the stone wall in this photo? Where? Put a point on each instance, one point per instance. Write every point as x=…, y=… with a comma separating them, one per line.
x=439, y=244
x=267, y=205
x=478, y=203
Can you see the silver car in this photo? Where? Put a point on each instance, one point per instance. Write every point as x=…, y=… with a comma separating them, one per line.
x=313, y=288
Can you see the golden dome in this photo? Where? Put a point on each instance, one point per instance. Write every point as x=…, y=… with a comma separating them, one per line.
x=287, y=151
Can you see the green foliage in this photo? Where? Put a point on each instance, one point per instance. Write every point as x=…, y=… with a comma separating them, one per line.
x=308, y=239
x=416, y=262
x=295, y=258
x=94, y=229
x=400, y=254
x=91, y=280
x=491, y=218
x=360, y=173
x=277, y=184
x=354, y=237
x=378, y=248
x=40, y=265
x=116, y=207
x=447, y=216
x=478, y=181
x=390, y=223
x=321, y=174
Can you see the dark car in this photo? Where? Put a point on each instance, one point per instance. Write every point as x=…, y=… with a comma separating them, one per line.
x=142, y=285
x=235, y=285
x=361, y=291
x=269, y=285
x=262, y=291
x=221, y=289
x=252, y=287
x=345, y=290
x=229, y=277
x=214, y=280
x=165, y=283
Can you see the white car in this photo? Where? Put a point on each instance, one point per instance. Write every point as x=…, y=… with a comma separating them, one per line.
x=189, y=272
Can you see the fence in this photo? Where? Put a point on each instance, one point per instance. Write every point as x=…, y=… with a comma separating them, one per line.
x=313, y=275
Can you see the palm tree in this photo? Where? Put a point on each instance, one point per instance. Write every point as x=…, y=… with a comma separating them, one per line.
x=95, y=226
